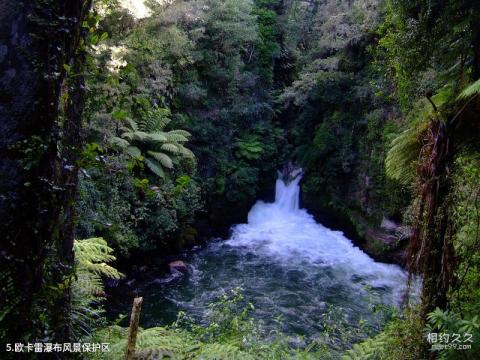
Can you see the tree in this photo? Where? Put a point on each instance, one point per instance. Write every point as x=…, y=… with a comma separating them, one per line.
x=40, y=116
x=434, y=49
x=147, y=138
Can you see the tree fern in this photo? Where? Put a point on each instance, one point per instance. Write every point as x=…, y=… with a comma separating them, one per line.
x=405, y=148
x=133, y=151
x=146, y=137
x=162, y=158
x=155, y=168
x=171, y=148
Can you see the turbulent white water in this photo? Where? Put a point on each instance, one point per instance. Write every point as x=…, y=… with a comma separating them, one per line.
x=288, y=265
x=291, y=235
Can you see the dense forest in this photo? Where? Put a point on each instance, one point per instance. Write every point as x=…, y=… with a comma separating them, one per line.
x=134, y=135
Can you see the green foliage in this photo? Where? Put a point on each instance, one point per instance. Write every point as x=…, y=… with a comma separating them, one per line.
x=91, y=267
x=403, y=154
x=471, y=90
x=147, y=139
x=249, y=148
x=466, y=214
x=401, y=339
x=106, y=195
x=231, y=333
x=425, y=43
x=448, y=322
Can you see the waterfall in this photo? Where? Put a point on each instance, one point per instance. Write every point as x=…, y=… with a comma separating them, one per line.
x=288, y=265
x=287, y=197
x=289, y=234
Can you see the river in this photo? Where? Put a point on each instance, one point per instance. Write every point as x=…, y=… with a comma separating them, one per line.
x=292, y=269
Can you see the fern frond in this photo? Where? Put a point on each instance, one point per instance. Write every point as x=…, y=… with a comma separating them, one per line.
x=91, y=258
x=92, y=255
x=222, y=351
x=171, y=148
x=162, y=158
x=133, y=151
x=174, y=137
x=181, y=132
x=140, y=136
x=132, y=123
x=92, y=250
x=401, y=157
x=128, y=135
x=119, y=142
x=185, y=152
x=368, y=349
x=471, y=90
x=155, y=120
x=158, y=137
x=155, y=167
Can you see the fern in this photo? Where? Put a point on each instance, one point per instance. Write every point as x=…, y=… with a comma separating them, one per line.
x=186, y=340
x=249, y=148
x=171, y=148
x=91, y=264
x=401, y=157
x=162, y=158
x=440, y=321
x=119, y=142
x=405, y=148
x=155, y=167
x=146, y=137
x=371, y=349
x=472, y=90
x=133, y=151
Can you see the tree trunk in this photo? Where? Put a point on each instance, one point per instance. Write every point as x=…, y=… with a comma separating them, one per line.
x=133, y=328
x=39, y=145
x=431, y=249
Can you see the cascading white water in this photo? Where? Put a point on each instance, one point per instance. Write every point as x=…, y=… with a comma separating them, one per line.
x=287, y=197
x=288, y=265
x=290, y=234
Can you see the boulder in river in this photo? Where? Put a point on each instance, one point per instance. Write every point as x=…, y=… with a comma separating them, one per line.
x=178, y=266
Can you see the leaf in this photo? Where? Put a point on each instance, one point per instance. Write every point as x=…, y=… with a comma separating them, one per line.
x=162, y=158
x=132, y=123
x=158, y=137
x=141, y=136
x=119, y=115
x=155, y=168
x=181, y=132
x=175, y=137
x=471, y=90
x=133, y=151
x=172, y=148
x=119, y=142
x=185, y=152
x=104, y=36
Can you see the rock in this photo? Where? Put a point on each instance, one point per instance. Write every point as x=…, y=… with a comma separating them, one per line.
x=175, y=275
x=384, y=246
x=389, y=225
x=178, y=265
x=379, y=237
